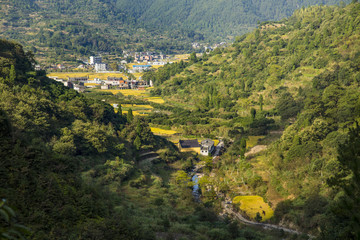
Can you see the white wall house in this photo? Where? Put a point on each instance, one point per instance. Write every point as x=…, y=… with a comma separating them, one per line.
x=99, y=67
x=94, y=60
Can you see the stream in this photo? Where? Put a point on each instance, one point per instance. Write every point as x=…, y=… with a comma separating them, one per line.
x=195, y=191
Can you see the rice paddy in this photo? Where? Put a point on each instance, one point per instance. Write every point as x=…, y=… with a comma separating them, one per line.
x=158, y=100
x=252, y=205
x=137, y=113
x=90, y=75
x=127, y=92
x=161, y=131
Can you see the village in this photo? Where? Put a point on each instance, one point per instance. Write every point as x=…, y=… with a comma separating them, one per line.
x=119, y=79
x=126, y=78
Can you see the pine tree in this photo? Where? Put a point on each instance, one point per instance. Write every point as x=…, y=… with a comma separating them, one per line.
x=261, y=102
x=120, y=110
x=137, y=143
x=12, y=75
x=130, y=116
x=253, y=113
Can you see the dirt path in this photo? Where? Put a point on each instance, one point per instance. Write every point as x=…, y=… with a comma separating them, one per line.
x=227, y=209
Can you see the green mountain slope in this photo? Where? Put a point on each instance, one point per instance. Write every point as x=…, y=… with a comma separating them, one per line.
x=300, y=75
x=66, y=29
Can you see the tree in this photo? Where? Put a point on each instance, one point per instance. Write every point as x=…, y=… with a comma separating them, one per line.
x=193, y=57
x=346, y=211
x=258, y=217
x=242, y=147
x=10, y=229
x=12, y=75
x=261, y=102
x=253, y=113
x=130, y=116
x=137, y=143
x=287, y=107
x=114, y=66
x=120, y=110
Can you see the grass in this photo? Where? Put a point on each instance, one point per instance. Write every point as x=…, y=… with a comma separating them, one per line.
x=91, y=75
x=160, y=131
x=252, y=205
x=253, y=140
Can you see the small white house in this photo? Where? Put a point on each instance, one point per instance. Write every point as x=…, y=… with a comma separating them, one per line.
x=206, y=147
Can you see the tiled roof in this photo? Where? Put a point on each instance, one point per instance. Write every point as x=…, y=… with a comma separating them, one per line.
x=189, y=143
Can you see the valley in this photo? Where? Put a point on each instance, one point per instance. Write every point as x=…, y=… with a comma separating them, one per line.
x=254, y=139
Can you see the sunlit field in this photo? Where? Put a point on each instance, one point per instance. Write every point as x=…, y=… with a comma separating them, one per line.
x=160, y=131
x=91, y=75
x=158, y=100
x=254, y=204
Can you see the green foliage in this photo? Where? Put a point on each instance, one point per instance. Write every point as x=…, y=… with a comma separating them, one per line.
x=258, y=217
x=130, y=116
x=9, y=228
x=343, y=216
x=287, y=107
x=83, y=27
x=261, y=102
x=137, y=143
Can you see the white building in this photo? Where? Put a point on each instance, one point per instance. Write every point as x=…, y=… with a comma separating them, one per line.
x=112, y=82
x=207, y=146
x=79, y=88
x=99, y=67
x=94, y=60
x=141, y=68
x=96, y=80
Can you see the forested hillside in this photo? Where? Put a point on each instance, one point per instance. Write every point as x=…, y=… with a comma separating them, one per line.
x=298, y=77
x=67, y=29
x=72, y=168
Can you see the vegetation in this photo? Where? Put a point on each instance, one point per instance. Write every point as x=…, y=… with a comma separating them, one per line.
x=254, y=207
x=73, y=168
x=65, y=30
x=296, y=80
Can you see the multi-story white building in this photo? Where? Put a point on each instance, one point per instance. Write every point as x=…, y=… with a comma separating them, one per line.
x=99, y=67
x=94, y=60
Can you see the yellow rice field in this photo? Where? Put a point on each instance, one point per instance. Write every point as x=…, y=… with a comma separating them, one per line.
x=197, y=150
x=91, y=75
x=91, y=84
x=127, y=92
x=136, y=106
x=158, y=100
x=182, y=57
x=254, y=204
x=136, y=113
x=163, y=131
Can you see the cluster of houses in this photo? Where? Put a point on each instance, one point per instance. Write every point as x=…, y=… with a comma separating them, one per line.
x=208, y=48
x=99, y=66
x=141, y=57
x=206, y=147
x=80, y=83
